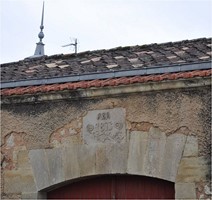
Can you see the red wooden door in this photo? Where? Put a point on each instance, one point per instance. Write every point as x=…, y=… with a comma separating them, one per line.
x=116, y=187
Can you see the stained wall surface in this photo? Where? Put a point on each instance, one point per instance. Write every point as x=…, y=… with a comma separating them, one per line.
x=163, y=134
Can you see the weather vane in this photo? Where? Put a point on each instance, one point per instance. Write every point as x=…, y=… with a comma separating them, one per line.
x=72, y=44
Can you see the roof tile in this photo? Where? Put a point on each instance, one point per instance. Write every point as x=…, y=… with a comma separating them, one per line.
x=133, y=60
x=96, y=59
x=111, y=66
x=51, y=65
x=63, y=66
x=85, y=62
x=204, y=57
x=137, y=65
x=119, y=57
x=104, y=83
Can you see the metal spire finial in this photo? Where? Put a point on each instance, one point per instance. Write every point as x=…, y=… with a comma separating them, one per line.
x=41, y=35
x=41, y=27
x=39, y=51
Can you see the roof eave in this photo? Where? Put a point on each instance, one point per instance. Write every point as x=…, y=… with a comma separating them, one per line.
x=92, y=92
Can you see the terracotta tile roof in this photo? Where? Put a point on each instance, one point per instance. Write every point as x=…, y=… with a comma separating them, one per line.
x=118, y=59
x=104, y=83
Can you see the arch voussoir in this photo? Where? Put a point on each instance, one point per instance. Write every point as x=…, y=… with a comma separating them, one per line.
x=150, y=154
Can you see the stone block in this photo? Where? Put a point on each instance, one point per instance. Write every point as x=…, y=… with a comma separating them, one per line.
x=193, y=169
x=23, y=159
x=185, y=191
x=104, y=126
x=26, y=196
x=36, y=195
x=117, y=155
x=191, y=146
x=173, y=153
x=70, y=162
x=40, y=168
x=137, y=150
x=56, y=173
x=87, y=159
x=17, y=181
x=102, y=161
x=154, y=157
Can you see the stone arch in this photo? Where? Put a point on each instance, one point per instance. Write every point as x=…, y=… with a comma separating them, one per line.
x=152, y=154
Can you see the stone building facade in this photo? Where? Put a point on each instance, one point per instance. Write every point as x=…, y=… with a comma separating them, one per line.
x=143, y=110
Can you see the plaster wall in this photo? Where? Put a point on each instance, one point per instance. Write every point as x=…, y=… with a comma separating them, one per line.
x=167, y=136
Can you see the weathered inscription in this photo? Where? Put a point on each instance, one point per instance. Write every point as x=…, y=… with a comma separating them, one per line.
x=104, y=126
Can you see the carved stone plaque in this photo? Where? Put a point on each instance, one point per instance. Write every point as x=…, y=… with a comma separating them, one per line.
x=104, y=126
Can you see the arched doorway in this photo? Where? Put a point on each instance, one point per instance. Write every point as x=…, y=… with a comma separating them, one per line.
x=116, y=187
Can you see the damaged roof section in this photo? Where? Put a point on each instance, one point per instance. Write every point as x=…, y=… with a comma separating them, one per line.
x=156, y=63
x=102, y=61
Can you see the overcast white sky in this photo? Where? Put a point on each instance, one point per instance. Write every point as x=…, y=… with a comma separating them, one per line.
x=99, y=24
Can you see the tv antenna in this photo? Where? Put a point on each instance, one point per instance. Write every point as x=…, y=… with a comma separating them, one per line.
x=72, y=44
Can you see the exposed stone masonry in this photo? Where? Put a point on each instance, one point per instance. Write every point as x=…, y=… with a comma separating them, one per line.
x=165, y=138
